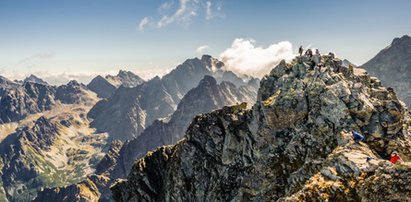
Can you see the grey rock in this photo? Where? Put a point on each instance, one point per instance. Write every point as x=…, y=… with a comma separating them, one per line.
x=295, y=144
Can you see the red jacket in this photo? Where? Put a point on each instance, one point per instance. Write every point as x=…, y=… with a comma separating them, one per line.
x=395, y=158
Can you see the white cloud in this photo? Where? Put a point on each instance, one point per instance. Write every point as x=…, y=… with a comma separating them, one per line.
x=201, y=49
x=245, y=57
x=165, y=6
x=184, y=14
x=209, y=14
x=145, y=21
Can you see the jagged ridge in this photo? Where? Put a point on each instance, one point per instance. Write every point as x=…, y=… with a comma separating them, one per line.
x=295, y=144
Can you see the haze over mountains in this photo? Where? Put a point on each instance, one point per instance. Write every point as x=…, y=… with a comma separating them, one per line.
x=286, y=138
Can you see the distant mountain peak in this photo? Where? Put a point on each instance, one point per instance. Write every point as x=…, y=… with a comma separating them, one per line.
x=73, y=83
x=33, y=78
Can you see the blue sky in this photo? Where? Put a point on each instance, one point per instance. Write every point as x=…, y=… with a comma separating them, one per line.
x=97, y=36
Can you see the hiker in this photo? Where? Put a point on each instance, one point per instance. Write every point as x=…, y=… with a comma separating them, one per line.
x=357, y=136
x=369, y=159
x=331, y=55
x=309, y=53
x=395, y=158
x=300, y=50
x=317, y=57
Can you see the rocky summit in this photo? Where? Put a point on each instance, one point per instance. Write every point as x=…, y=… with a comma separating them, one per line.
x=295, y=144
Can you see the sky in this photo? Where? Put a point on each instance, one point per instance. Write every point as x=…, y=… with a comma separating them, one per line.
x=82, y=38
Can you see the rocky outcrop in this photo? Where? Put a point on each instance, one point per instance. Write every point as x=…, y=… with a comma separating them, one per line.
x=129, y=111
x=76, y=93
x=295, y=144
x=392, y=66
x=105, y=87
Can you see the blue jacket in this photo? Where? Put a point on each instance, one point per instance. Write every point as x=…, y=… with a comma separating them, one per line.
x=357, y=136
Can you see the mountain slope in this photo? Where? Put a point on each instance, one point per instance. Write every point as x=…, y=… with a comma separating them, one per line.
x=294, y=145
x=130, y=110
x=392, y=66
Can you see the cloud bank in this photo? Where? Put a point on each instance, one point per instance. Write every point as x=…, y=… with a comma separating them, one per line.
x=244, y=57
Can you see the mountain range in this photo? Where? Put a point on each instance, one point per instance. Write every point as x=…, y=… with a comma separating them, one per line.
x=126, y=113
x=202, y=132
x=50, y=133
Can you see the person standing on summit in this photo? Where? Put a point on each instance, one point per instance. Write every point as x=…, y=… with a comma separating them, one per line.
x=300, y=50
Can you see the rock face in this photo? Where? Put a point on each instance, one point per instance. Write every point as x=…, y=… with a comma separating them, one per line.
x=207, y=96
x=393, y=66
x=105, y=87
x=295, y=144
x=129, y=111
